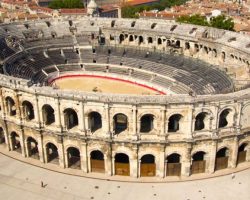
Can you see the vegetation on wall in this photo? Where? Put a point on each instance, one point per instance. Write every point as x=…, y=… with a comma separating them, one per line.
x=132, y=11
x=220, y=21
x=57, y=4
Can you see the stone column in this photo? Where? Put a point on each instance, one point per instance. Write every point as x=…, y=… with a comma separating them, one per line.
x=162, y=132
x=60, y=149
x=7, y=136
x=23, y=144
x=40, y=148
x=37, y=113
x=113, y=164
x=133, y=161
x=82, y=121
x=106, y=122
x=186, y=161
x=134, y=113
x=234, y=153
x=59, y=115
x=161, y=164
x=84, y=157
x=212, y=157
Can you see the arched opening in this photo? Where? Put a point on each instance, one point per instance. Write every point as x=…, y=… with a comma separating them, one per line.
x=168, y=43
x=223, y=119
x=177, y=44
x=196, y=48
x=221, y=159
x=150, y=40
x=131, y=38
x=52, y=153
x=11, y=107
x=242, y=152
x=140, y=40
x=173, y=165
x=121, y=38
x=198, y=163
x=48, y=114
x=28, y=111
x=2, y=137
x=74, y=159
x=159, y=41
x=223, y=56
x=97, y=161
x=187, y=45
x=174, y=123
x=120, y=123
x=200, y=121
x=32, y=146
x=122, y=164
x=148, y=166
x=71, y=119
x=15, y=142
x=147, y=123
x=95, y=121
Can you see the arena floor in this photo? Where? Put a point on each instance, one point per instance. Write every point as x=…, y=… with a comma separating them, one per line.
x=22, y=181
x=103, y=85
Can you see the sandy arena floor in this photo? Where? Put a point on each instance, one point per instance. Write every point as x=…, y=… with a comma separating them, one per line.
x=90, y=84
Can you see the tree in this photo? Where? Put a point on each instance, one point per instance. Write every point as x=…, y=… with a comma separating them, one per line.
x=222, y=22
x=57, y=4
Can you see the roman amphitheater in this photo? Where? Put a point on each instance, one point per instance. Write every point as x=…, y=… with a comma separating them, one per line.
x=125, y=97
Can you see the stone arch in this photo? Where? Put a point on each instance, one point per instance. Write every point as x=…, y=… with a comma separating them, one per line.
x=173, y=162
x=242, y=152
x=95, y=121
x=70, y=118
x=74, y=158
x=131, y=38
x=28, y=110
x=201, y=121
x=52, y=153
x=97, y=161
x=121, y=38
x=140, y=40
x=225, y=118
x=177, y=44
x=187, y=45
x=15, y=142
x=198, y=162
x=222, y=156
x=174, y=122
x=2, y=136
x=147, y=123
x=122, y=164
x=196, y=48
x=245, y=118
x=148, y=166
x=48, y=114
x=150, y=40
x=223, y=56
x=11, y=106
x=120, y=123
x=32, y=148
x=159, y=41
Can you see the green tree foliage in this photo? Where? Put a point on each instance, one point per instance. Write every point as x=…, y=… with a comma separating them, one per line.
x=220, y=21
x=57, y=4
x=194, y=19
x=132, y=11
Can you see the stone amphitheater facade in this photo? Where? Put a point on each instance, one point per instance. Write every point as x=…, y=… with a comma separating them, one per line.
x=165, y=135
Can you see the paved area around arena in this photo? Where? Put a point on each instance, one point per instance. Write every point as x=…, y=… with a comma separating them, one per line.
x=21, y=181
